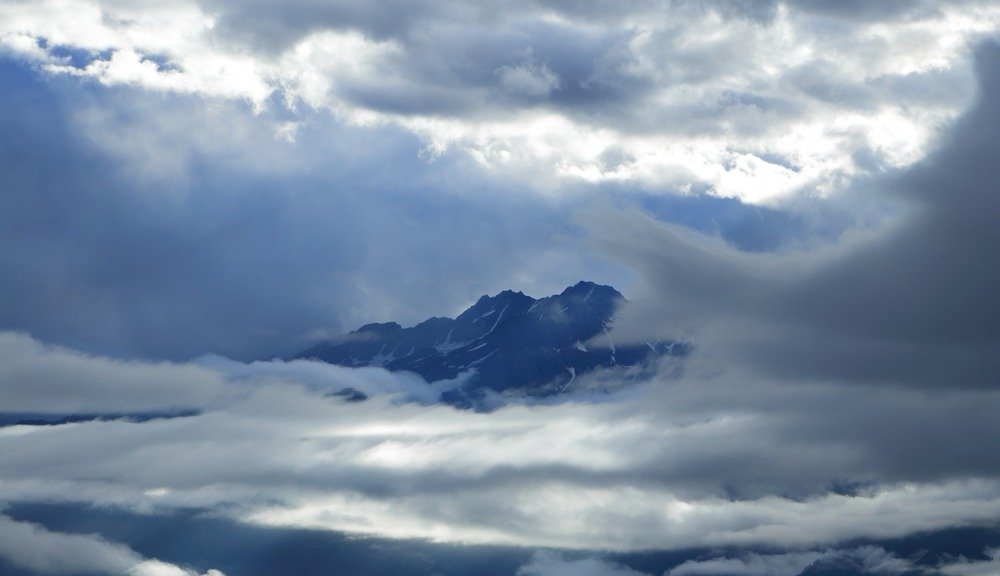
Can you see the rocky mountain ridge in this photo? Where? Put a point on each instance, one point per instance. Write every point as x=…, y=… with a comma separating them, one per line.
x=507, y=342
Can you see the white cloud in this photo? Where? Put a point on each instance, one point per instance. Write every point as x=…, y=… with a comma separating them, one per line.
x=750, y=565
x=553, y=564
x=729, y=456
x=281, y=454
x=40, y=378
x=45, y=552
x=713, y=92
x=33, y=547
x=532, y=80
x=624, y=518
x=123, y=39
x=766, y=438
x=867, y=559
x=158, y=568
x=966, y=567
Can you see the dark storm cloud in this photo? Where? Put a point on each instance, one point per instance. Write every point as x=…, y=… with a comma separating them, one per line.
x=911, y=302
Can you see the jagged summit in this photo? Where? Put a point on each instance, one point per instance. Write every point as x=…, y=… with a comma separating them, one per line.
x=589, y=287
x=507, y=341
x=380, y=328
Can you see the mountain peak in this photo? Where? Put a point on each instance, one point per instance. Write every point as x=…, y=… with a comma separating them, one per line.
x=586, y=288
x=380, y=327
x=509, y=341
x=505, y=302
x=502, y=295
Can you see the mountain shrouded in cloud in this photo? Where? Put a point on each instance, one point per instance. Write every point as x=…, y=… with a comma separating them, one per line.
x=507, y=342
x=801, y=194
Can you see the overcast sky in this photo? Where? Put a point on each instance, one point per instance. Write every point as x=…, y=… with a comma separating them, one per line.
x=807, y=191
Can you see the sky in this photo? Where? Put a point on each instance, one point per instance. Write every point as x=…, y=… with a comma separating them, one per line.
x=806, y=191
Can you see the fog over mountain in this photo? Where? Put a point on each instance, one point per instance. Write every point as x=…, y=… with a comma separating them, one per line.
x=333, y=287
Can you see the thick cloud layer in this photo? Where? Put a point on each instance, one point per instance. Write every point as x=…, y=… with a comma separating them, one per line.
x=719, y=464
x=757, y=100
x=44, y=552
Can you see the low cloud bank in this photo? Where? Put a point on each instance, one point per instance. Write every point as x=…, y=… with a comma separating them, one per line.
x=709, y=462
x=42, y=551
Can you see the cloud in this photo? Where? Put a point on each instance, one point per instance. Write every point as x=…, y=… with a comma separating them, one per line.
x=966, y=567
x=56, y=380
x=553, y=564
x=682, y=85
x=42, y=551
x=50, y=379
x=528, y=80
x=862, y=560
x=905, y=302
x=837, y=391
x=195, y=225
x=750, y=565
x=709, y=463
x=330, y=379
x=156, y=227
